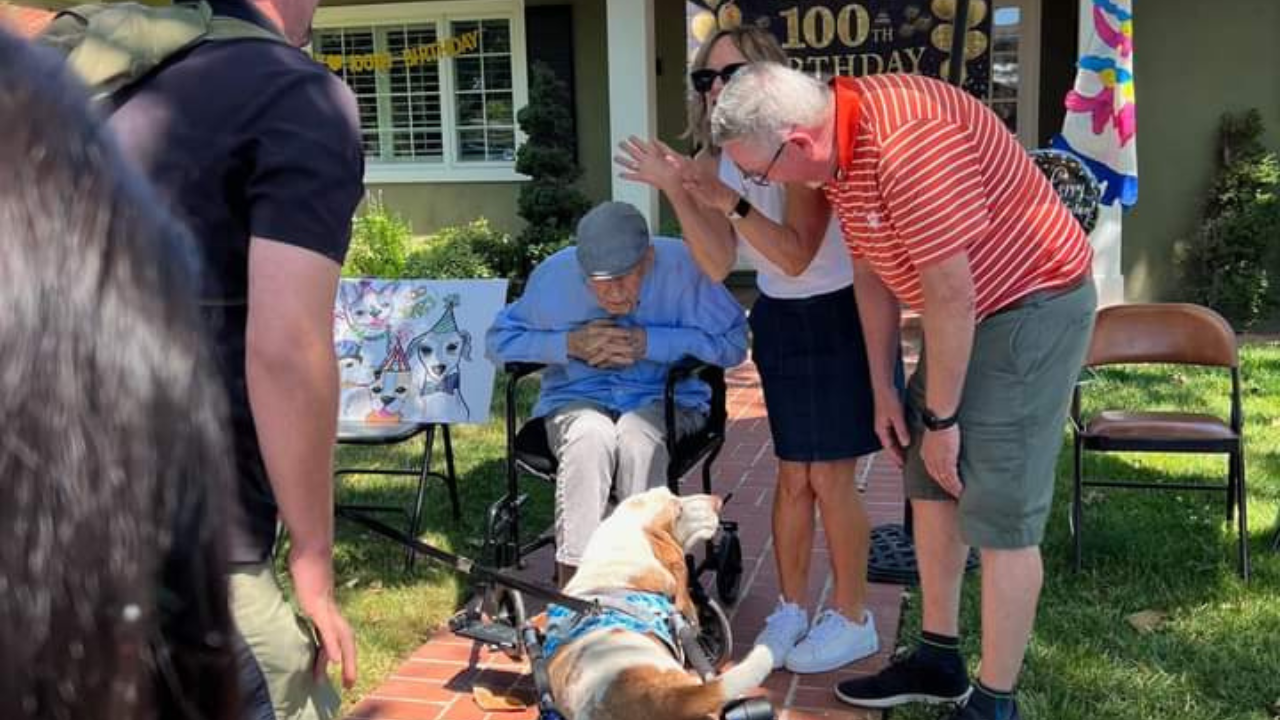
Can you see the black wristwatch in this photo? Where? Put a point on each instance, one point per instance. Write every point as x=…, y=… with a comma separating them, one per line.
x=935, y=423
x=740, y=209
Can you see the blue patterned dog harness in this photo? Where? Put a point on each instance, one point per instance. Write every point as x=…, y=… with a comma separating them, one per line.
x=639, y=612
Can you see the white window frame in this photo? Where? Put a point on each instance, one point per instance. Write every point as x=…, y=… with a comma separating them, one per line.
x=449, y=169
x=1028, y=68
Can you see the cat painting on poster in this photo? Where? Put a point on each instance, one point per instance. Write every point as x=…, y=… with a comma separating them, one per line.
x=405, y=349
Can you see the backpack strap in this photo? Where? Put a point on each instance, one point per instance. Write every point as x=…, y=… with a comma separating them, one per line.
x=111, y=46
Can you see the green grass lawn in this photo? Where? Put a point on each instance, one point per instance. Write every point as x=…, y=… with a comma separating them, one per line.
x=1218, y=655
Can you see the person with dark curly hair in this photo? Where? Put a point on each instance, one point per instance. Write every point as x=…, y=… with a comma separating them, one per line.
x=114, y=464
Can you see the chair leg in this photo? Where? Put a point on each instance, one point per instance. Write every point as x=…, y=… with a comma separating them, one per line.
x=415, y=518
x=1245, y=570
x=451, y=475
x=1077, y=506
x=1232, y=481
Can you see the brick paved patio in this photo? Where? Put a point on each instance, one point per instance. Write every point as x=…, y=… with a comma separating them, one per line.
x=436, y=682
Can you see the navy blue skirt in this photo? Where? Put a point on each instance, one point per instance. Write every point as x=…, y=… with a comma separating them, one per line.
x=812, y=360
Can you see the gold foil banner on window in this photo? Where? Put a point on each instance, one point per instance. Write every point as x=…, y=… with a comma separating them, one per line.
x=409, y=57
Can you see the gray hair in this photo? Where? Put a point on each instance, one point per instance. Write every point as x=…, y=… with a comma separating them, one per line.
x=764, y=100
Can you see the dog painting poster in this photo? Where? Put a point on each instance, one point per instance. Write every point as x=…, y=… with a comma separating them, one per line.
x=413, y=350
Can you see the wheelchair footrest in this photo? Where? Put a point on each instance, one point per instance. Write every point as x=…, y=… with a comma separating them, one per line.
x=494, y=634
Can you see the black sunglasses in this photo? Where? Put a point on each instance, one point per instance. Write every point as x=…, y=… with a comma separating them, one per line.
x=703, y=79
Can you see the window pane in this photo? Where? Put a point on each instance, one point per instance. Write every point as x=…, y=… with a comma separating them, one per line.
x=495, y=37
x=502, y=145
x=469, y=73
x=497, y=74
x=498, y=109
x=471, y=145
x=411, y=94
x=470, y=109
x=335, y=47
x=483, y=94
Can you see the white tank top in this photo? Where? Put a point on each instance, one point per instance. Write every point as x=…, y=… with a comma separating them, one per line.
x=831, y=268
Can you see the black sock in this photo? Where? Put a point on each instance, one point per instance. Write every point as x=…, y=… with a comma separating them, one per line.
x=946, y=642
x=991, y=704
x=939, y=648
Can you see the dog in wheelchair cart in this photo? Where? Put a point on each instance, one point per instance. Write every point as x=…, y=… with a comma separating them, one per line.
x=616, y=643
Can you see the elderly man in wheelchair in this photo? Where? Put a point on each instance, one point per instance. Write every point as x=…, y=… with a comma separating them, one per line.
x=609, y=319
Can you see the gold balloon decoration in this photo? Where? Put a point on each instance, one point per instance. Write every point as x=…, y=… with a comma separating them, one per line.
x=941, y=38
x=975, y=44
x=729, y=16
x=946, y=10
x=702, y=25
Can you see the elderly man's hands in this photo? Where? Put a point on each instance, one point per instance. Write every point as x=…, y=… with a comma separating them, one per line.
x=602, y=344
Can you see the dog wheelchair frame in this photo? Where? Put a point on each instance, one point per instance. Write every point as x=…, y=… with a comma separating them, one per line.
x=497, y=618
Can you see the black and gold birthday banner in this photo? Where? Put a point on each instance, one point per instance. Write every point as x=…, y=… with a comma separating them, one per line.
x=869, y=37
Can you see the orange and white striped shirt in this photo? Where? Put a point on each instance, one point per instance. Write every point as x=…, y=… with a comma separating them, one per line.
x=925, y=171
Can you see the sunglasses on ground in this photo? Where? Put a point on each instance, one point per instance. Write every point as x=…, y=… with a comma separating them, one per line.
x=703, y=79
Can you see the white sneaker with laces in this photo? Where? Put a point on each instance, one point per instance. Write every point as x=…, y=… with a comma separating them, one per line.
x=782, y=630
x=832, y=642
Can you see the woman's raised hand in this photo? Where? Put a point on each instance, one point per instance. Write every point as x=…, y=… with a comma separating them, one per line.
x=652, y=163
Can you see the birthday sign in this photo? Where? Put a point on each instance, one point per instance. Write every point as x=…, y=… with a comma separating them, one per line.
x=867, y=37
x=409, y=57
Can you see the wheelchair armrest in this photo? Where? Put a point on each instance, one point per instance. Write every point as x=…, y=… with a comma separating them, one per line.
x=712, y=375
x=518, y=370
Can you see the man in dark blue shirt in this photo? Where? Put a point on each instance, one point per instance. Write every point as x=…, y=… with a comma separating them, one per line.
x=257, y=148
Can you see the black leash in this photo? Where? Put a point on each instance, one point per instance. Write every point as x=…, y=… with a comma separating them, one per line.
x=469, y=567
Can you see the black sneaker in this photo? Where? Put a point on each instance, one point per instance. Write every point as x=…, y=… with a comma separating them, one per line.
x=910, y=679
x=968, y=713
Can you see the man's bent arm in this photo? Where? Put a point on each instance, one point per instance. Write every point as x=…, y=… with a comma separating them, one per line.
x=880, y=314
x=948, y=319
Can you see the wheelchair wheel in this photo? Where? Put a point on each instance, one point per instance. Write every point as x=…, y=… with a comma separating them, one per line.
x=505, y=606
x=729, y=568
x=714, y=634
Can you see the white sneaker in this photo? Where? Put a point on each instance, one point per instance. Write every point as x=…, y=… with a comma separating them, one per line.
x=782, y=630
x=832, y=642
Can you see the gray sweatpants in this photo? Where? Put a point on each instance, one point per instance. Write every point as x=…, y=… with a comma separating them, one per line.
x=598, y=450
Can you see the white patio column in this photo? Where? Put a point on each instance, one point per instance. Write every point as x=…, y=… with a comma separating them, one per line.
x=633, y=97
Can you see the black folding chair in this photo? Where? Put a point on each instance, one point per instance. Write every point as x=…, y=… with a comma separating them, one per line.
x=364, y=433
x=529, y=453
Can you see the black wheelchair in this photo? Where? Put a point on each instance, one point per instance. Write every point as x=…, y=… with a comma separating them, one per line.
x=496, y=616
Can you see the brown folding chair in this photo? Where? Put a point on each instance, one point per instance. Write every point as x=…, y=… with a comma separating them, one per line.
x=1174, y=334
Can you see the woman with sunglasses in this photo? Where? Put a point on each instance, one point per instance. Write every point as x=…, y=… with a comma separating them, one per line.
x=808, y=347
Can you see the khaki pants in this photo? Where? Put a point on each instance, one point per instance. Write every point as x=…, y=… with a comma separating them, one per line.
x=279, y=654
x=598, y=452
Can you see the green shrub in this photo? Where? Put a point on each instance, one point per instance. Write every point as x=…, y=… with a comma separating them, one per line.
x=1231, y=262
x=381, y=241
x=456, y=252
x=548, y=202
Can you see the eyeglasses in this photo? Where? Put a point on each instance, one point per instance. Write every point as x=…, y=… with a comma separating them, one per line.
x=703, y=79
x=762, y=178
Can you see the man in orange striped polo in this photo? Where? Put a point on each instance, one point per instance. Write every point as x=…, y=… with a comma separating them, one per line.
x=943, y=211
